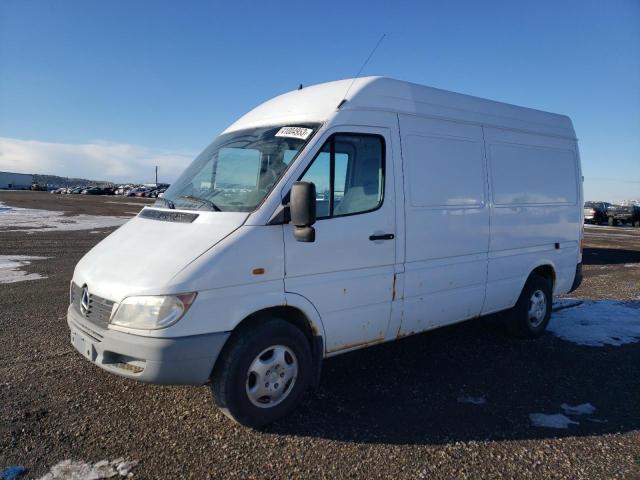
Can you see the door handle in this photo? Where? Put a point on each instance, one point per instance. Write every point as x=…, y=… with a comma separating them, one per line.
x=384, y=236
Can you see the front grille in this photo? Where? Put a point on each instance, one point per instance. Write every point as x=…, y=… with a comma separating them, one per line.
x=99, y=311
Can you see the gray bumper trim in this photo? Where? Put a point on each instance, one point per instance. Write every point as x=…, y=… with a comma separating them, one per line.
x=175, y=361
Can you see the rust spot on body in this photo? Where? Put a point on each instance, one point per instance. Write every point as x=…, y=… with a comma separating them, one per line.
x=405, y=334
x=357, y=344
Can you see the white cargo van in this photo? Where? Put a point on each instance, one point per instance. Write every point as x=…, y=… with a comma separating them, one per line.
x=318, y=224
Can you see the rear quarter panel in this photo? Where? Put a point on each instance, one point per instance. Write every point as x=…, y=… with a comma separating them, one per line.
x=536, y=217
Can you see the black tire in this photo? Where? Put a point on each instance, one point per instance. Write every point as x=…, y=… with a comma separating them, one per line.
x=518, y=319
x=636, y=223
x=229, y=381
x=612, y=222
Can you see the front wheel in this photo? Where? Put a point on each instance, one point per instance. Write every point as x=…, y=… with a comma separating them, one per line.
x=636, y=223
x=263, y=373
x=531, y=313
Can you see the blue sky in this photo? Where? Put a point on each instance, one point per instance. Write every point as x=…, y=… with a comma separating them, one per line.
x=110, y=88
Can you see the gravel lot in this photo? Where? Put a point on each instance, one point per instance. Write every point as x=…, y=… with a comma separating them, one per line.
x=388, y=411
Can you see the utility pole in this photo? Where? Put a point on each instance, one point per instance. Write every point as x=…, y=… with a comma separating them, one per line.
x=156, y=176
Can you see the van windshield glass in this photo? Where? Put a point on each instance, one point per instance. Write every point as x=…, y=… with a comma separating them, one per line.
x=237, y=171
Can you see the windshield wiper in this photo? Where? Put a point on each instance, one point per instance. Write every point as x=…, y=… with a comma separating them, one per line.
x=204, y=201
x=168, y=202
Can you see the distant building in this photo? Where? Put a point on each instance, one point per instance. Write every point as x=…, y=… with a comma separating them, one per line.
x=15, y=181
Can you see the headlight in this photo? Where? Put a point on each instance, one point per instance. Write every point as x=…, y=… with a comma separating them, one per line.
x=152, y=312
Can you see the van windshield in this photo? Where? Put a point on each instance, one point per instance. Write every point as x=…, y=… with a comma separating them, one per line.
x=237, y=171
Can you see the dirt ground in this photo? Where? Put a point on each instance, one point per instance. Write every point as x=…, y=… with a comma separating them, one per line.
x=390, y=411
x=75, y=204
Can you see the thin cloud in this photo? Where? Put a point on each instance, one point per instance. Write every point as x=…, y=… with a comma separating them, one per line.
x=118, y=162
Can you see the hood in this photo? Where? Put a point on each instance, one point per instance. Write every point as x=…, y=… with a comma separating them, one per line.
x=144, y=255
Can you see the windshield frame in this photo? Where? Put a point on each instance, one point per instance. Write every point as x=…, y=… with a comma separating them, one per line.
x=174, y=198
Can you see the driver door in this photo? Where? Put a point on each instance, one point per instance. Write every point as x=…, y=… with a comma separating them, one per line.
x=347, y=273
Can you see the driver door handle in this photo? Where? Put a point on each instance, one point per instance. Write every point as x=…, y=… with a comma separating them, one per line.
x=384, y=236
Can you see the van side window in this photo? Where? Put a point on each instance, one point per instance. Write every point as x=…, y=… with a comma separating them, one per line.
x=348, y=173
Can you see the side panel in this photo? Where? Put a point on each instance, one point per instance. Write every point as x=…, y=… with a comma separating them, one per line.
x=536, y=215
x=447, y=222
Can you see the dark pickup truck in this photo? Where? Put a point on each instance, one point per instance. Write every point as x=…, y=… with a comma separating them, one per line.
x=595, y=212
x=624, y=214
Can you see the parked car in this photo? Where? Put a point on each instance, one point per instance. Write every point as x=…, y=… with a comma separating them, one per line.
x=58, y=191
x=249, y=283
x=624, y=214
x=595, y=212
x=136, y=192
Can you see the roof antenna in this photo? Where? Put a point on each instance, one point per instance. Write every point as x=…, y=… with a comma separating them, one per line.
x=344, y=99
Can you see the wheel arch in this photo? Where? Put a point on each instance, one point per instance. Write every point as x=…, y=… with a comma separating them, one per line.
x=300, y=313
x=545, y=270
x=288, y=313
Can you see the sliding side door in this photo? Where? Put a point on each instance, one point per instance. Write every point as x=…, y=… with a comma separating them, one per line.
x=447, y=222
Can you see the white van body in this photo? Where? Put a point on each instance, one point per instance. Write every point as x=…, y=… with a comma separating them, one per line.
x=475, y=196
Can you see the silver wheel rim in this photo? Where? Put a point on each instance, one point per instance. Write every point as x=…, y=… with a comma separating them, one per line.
x=537, y=308
x=271, y=376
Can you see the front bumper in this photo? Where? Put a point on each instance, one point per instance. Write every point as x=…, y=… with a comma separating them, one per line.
x=175, y=361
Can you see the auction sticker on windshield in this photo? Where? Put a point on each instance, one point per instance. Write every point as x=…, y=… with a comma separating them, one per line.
x=294, y=132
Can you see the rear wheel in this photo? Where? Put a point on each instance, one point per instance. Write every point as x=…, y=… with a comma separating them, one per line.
x=612, y=221
x=636, y=223
x=531, y=313
x=263, y=373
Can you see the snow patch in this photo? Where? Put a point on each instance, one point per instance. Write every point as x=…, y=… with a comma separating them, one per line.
x=596, y=323
x=472, y=400
x=582, y=409
x=557, y=420
x=10, y=268
x=30, y=220
x=78, y=470
x=597, y=420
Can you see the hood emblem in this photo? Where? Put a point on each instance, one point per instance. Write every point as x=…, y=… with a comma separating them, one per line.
x=84, y=301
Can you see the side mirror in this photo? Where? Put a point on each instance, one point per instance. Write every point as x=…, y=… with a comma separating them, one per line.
x=302, y=208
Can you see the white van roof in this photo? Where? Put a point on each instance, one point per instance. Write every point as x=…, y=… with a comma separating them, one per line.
x=317, y=103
